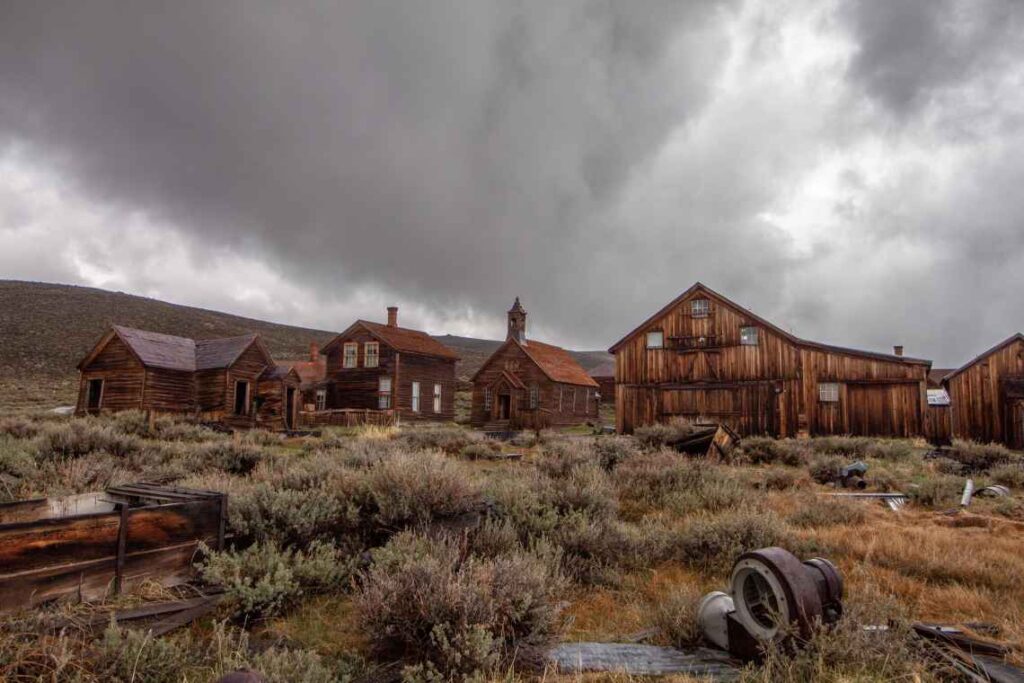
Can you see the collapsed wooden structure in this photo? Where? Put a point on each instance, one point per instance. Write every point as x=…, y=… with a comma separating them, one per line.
x=91, y=545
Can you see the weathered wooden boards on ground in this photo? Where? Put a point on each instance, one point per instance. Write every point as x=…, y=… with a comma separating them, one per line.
x=642, y=660
x=86, y=547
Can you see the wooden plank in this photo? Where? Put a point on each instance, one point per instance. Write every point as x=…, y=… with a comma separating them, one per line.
x=122, y=546
x=183, y=617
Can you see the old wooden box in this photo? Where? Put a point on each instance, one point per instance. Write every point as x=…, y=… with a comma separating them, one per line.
x=87, y=546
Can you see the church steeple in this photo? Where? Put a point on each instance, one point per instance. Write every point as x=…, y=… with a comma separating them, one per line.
x=517, y=322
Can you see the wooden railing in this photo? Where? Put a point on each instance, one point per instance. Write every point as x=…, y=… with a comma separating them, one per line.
x=347, y=417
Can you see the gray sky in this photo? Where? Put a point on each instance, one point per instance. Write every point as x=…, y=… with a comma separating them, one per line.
x=853, y=171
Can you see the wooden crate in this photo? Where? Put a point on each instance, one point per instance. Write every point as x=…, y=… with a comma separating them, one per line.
x=88, y=546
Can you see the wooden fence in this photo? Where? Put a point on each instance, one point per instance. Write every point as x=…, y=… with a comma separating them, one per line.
x=348, y=417
x=95, y=544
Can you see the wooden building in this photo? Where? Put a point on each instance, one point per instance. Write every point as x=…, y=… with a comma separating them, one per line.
x=212, y=380
x=527, y=383
x=604, y=375
x=372, y=366
x=312, y=374
x=704, y=356
x=987, y=395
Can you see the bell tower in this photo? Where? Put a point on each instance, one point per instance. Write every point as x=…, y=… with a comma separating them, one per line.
x=517, y=322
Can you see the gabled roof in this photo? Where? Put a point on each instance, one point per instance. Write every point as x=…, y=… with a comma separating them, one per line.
x=168, y=352
x=712, y=294
x=401, y=339
x=309, y=372
x=280, y=372
x=998, y=347
x=554, y=361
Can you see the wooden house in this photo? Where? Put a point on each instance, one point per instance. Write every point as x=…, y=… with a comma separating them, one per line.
x=212, y=380
x=312, y=373
x=527, y=383
x=371, y=366
x=604, y=375
x=987, y=395
x=704, y=356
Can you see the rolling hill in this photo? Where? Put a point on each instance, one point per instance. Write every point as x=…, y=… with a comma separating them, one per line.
x=45, y=329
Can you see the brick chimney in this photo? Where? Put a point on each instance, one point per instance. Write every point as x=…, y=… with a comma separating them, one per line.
x=392, y=316
x=314, y=352
x=898, y=350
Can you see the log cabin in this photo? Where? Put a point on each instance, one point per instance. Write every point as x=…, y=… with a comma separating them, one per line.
x=372, y=366
x=530, y=384
x=212, y=380
x=987, y=395
x=704, y=356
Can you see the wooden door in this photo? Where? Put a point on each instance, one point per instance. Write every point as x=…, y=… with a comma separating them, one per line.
x=887, y=410
x=504, y=406
x=289, y=410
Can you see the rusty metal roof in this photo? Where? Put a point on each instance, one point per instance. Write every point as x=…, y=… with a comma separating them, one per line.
x=557, y=363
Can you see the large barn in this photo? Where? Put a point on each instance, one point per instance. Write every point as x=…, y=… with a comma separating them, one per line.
x=233, y=381
x=372, y=366
x=527, y=383
x=987, y=395
x=704, y=356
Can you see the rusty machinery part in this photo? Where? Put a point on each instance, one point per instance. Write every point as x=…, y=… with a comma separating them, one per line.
x=772, y=595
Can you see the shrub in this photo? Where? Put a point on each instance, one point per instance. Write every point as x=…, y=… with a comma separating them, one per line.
x=290, y=517
x=596, y=551
x=125, y=655
x=19, y=427
x=447, y=438
x=264, y=580
x=1009, y=475
x=236, y=458
x=455, y=618
x=713, y=543
x=949, y=466
x=765, y=450
x=889, y=449
x=586, y=490
x=409, y=489
x=846, y=446
x=658, y=435
x=815, y=511
x=939, y=491
x=664, y=480
x=825, y=469
x=778, y=479
x=675, y=616
x=978, y=457
x=559, y=459
x=612, y=451
x=78, y=438
x=479, y=451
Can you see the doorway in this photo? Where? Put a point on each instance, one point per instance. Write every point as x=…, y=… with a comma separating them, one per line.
x=289, y=410
x=504, y=406
x=95, y=397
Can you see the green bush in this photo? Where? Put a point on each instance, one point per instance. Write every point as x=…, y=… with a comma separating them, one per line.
x=766, y=450
x=78, y=438
x=448, y=438
x=264, y=579
x=291, y=517
x=235, y=458
x=980, y=457
x=479, y=451
x=449, y=617
x=664, y=480
x=414, y=489
x=815, y=511
x=845, y=446
x=825, y=469
x=939, y=491
x=714, y=543
x=889, y=449
x=1011, y=475
x=612, y=451
x=779, y=479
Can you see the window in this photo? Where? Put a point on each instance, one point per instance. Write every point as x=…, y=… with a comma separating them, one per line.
x=437, y=398
x=534, y=396
x=351, y=350
x=321, y=399
x=371, y=354
x=828, y=392
x=384, y=393
x=241, y=398
x=748, y=336
x=415, y=397
x=487, y=399
x=95, y=398
x=656, y=339
x=700, y=308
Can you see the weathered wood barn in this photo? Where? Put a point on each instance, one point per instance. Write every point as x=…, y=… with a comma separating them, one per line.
x=386, y=367
x=527, y=383
x=987, y=395
x=234, y=380
x=704, y=356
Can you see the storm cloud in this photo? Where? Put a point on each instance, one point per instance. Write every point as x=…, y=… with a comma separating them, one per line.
x=847, y=169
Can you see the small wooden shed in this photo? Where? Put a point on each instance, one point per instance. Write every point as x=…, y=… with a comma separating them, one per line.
x=987, y=395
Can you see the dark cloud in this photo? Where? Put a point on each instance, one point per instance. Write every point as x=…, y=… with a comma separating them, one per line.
x=593, y=157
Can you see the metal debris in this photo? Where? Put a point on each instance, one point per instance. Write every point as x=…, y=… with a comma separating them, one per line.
x=852, y=476
x=965, y=499
x=994, y=491
x=895, y=501
x=642, y=660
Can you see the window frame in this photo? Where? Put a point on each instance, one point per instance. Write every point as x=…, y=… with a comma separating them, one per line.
x=744, y=329
x=375, y=355
x=534, y=396
x=828, y=390
x=700, y=308
x=320, y=400
x=384, y=395
x=647, y=339
x=437, y=397
x=488, y=398
x=246, y=400
x=345, y=348
x=414, y=396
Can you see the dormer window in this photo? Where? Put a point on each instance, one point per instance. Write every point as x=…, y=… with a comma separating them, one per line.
x=656, y=339
x=700, y=308
x=748, y=336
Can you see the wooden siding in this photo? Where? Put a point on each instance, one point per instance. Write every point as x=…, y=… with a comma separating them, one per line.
x=357, y=388
x=169, y=391
x=704, y=371
x=984, y=403
x=272, y=396
x=123, y=378
x=559, y=404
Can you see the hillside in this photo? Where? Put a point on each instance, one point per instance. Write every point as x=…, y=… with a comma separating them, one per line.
x=45, y=329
